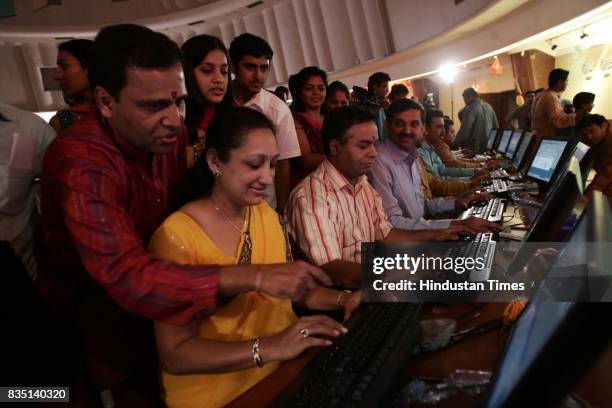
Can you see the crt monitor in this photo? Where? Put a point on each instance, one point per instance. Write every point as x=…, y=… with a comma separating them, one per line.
x=491, y=139
x=513, y=144
x=546, y=160
x=553, y=343
x=517, y=161
x=503, y=142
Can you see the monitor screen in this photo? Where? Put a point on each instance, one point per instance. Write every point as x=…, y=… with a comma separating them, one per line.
x=518, y=157
x=505, y=139
x=534, y=329
x=491, y=139
x=580, y=151
x=532, y=351
x=514, y=141
x=546, y=159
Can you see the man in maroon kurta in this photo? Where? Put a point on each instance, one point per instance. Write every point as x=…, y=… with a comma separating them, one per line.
x=107, y=184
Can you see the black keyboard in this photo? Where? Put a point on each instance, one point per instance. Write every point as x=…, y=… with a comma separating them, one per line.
x=482, y=246
x=361, y=368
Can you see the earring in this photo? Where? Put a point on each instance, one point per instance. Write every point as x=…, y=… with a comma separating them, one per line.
x=216, y=173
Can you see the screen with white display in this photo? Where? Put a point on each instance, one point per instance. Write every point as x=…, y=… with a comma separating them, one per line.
x=514, y=141
x=505, y=139
x=546, y=159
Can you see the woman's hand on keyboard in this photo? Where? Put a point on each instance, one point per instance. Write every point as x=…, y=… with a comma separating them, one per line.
x=306, y=332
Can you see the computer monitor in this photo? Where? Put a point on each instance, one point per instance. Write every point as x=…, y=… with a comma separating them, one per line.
x=553, y=343
x=555, y=220
x=517, y=161
x=560, y=201
x=513, y=144
x=545, y=163
x=503, y=142
x=491, y=139
x=580, y=151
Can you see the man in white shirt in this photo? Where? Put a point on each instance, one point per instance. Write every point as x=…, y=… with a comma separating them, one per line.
x=251, y=56
x=24, y=138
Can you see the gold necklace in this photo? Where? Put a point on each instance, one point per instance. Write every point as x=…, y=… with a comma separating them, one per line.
x=220, y=211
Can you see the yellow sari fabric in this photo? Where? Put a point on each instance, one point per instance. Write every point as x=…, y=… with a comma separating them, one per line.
x=180, y=239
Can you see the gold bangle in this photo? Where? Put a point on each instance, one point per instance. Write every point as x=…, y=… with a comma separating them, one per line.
x=256, y=355
x=339, y=298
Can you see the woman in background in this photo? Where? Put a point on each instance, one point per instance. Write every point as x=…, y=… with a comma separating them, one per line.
x=337, y=95
x=219, y=357
x=73, y=60
x=308, y=89
x=207, y=78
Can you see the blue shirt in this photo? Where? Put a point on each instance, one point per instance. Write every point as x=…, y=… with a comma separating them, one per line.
x=396, y=177
x=434, y=164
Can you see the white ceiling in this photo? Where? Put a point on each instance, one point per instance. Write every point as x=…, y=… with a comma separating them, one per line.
x=60, y=21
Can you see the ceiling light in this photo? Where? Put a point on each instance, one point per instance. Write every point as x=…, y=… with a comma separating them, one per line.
x=583, y=34
x=553, y=47
x=448, y=72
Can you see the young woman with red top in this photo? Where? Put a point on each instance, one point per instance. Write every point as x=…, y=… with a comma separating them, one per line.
x=207, y=78
x=308, y=88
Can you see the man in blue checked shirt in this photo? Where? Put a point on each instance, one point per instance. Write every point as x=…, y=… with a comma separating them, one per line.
x=434, y=129
x=396, y=176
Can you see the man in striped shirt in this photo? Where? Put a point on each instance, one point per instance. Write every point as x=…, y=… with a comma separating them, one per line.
x=333, y=210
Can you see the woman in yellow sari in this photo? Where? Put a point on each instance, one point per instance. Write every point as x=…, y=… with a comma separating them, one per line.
x=217, y=358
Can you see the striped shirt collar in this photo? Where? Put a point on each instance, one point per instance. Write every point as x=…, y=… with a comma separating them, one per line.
x=337, y=179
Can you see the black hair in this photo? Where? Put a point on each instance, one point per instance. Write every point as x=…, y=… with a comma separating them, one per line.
x=335, y=86
x=402, y=105
x=591, y=119
x=281, y=89
x=299, y=80
x=529, y=92
x=581, y=98
x=338, y=121
x=194, y=51
x=399, y=89
x=120, y=46
x=249, y=44
x=470, y=92
x=225, y=133
x=377, y=78
x=557, y=75
x=448, y=122
x=537, y=91
x=431, y=114
x=80, y=49
x=331, y=90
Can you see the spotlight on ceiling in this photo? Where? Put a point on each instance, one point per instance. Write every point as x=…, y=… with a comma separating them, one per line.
x=583, y=34
x=553, y=47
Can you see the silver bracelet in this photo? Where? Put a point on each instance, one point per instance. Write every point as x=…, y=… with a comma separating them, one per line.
x=256, y=356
